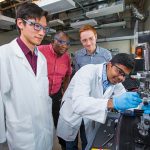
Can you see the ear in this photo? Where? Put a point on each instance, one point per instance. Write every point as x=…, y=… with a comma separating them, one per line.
x=109, y=64
x=20, y=23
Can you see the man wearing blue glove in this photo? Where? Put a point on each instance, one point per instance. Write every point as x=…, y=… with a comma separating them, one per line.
x=94, y=90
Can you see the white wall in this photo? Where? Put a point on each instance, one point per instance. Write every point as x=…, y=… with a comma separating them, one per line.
x=123, y=46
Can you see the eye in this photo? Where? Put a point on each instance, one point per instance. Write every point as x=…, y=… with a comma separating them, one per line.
x=91, y=39
x=37, y=26
x=84, y=40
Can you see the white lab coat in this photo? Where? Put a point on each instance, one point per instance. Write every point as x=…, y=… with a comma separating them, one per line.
x=84, y=99
x=25, y=107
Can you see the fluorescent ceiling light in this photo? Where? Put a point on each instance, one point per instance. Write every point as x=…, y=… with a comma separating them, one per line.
x=55, y=22
x=55, y=6
x=79, y=24
x=115, y=24
x=52, y=30
x=106, y=11
x=2, y=1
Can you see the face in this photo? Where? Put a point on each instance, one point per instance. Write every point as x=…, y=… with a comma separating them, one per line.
x=88, y=40
x=32, y=30
x=139, y=52
x=61, y=44
x=117, y=73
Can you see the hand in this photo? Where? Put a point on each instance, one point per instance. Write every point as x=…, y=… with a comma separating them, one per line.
x=127, y=100
x=146, y=108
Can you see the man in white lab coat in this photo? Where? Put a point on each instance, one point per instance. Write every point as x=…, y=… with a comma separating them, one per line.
x=25, y=107
x=92, y=91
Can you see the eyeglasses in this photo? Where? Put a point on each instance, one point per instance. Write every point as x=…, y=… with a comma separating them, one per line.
x=37, y=26
x=63, y=42
x=121, y=72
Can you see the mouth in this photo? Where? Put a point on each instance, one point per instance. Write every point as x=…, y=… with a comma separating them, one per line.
x=39, y=38
x=63, y=50
x=115, y=81
x=88, y=46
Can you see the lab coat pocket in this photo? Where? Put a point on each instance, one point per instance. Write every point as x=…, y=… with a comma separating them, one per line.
x=44, y=141
x=66, y=131
x=20, y=134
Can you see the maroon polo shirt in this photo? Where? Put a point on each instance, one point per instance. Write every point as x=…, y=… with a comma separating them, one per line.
x=31, y=57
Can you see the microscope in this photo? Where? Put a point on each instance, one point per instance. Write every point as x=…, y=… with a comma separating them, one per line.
x=133, y=131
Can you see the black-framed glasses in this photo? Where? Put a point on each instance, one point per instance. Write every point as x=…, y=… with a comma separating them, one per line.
x=37, y=26
x=63, y=42
x=121, y=72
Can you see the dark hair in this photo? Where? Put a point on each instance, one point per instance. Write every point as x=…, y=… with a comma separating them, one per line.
x=30, y=10
x=123, y=59
x=57, y=35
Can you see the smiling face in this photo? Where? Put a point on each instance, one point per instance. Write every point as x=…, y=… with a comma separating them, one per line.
x=88, y=40
x=61, y=43
x=116, y=73
x=29, y=35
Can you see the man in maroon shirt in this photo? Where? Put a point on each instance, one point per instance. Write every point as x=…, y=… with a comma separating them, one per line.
x=59, y=71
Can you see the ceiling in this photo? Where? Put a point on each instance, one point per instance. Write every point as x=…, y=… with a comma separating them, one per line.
x=110, y=17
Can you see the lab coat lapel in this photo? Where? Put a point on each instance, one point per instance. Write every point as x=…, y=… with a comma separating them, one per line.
x=40, y=63
x=109, y=90
x=100, y=84
x=20, y=55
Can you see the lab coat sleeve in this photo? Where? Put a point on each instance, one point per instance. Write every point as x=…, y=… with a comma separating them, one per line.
x=119, y=89
x=2, y=119
x=83, y=104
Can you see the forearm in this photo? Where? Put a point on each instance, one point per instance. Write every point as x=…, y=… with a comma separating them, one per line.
x=66, y=83
x=110, y=104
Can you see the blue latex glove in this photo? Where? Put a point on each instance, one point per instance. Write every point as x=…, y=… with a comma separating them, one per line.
x=126, y=101
x=146, y=108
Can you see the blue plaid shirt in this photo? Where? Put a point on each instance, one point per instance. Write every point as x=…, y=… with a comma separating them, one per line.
x=100, y=55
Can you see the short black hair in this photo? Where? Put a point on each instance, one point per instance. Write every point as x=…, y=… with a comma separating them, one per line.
x=123, y=59
x=29, y=11
x=60, y=33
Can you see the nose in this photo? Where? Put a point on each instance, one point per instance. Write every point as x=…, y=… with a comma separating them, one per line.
x=42, y=32
x=88, y=42
x=64, y=46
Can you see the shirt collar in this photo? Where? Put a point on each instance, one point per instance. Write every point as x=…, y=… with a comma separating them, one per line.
x=84, y=51
x=24, y=48
x=36, y=51
x=104, y=75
